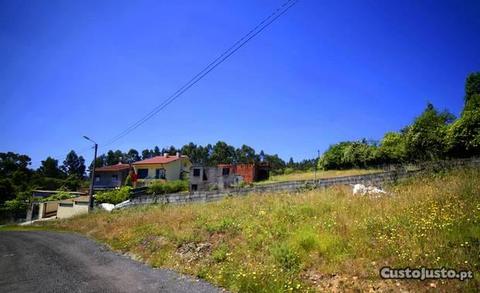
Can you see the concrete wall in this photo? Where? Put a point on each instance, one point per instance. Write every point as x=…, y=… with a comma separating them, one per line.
x=376, y=179
x=68, y=210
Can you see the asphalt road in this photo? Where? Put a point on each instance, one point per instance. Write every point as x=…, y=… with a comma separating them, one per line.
x=40, y=261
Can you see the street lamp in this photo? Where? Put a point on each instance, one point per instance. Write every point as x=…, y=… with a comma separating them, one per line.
x=92, y=173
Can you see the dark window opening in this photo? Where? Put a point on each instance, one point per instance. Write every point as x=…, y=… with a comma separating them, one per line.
x=196, y=172
x=226, y=171
x=160, y=173
x=114, y=177
x=194, y=187
x=205, y=176
x=142, y=173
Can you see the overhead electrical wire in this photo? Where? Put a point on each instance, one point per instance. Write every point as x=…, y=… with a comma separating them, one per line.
x=212, y=65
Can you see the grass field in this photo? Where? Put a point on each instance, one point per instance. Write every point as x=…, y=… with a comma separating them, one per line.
x=310, y=175
x=320, y=240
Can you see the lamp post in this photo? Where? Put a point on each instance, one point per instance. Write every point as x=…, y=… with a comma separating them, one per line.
x=92, y=173
x=315, y=168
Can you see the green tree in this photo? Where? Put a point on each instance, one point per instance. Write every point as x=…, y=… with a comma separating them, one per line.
x=464, y=135
x=333, y=157
x=246, y=155
x=11, y=162
x=156, y=151
x=425, y=139
x=472, y=92
x=147, y=154
x=132, y=156
x=359, y=154
x=392, y=148
x=114, y=157
x=101, y=161
x=49, y=168
x=275, y=162
x=74, y=165
x=223, y=153
x=7, y=190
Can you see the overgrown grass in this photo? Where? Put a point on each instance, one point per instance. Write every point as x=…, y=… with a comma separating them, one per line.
x=317, y=240
x=310, y=175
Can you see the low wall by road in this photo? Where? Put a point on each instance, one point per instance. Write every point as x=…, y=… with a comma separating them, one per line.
x=375, y=179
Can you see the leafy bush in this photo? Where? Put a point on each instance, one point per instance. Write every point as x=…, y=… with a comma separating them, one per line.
x=128, y=181
x=114, y=196
x=168, y=187
x=58, y=196
x=220, y=254
x=286, y=256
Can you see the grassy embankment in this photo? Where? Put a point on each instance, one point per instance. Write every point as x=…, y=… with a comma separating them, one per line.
x=320, y=240
x=310, y=175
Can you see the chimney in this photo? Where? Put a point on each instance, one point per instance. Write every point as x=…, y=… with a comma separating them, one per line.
x=165, y=155
x=178, y=154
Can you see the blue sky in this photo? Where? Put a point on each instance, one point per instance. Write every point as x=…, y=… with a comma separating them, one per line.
x=327, y=71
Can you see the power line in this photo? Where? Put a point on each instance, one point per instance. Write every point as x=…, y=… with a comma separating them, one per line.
x=212, y=65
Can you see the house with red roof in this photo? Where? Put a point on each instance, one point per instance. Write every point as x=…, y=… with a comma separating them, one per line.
x=111, y=176
x=166, y=167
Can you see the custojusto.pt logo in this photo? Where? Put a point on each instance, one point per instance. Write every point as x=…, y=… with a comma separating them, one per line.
x=423, y=273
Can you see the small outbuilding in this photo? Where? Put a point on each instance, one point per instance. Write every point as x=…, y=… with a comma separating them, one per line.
x=68, y=208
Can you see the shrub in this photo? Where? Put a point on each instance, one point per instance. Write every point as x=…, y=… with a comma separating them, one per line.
x=58, y=196
x=306, y=239
x=114, y=196
x=128, y=181
x=220, y=253
x=286, y=256
x=168, y=187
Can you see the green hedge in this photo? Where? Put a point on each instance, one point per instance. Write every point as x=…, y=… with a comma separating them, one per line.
x=113, y=196
x=168, y=187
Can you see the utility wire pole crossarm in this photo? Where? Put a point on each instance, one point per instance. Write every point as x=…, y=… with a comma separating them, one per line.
x=92, y=173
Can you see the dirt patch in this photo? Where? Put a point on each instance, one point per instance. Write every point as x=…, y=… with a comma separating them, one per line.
x=194, y=251
x=344, y=283
x=154, y=242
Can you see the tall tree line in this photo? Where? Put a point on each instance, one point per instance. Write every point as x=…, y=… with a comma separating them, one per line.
x=219, y=153
x=433, y=135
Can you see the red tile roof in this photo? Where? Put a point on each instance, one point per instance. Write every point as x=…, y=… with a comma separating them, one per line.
x=113, y=168
x=159, y=160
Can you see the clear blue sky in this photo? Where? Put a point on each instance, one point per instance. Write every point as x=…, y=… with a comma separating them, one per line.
x=325, y=72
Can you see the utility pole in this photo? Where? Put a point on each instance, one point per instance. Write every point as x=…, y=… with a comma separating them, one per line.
x=315, y=168
x=92, y=173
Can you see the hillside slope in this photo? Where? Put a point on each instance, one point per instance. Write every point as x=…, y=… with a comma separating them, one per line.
x=321, y=240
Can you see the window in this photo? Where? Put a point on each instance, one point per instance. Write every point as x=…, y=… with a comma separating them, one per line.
x=226, y=171
x=142, y=173
x=194, y=187
x=97, y=178
x=160, y=173
x=196, y=172
x=114, y=178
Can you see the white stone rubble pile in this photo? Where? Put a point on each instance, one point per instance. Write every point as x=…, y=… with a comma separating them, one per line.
x=110, y=207
x=360, y=189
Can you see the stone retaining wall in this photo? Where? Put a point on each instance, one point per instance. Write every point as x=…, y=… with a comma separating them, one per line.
x=376, y=179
